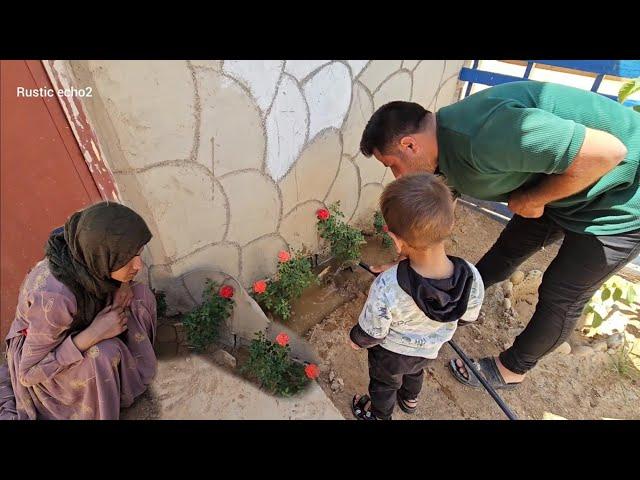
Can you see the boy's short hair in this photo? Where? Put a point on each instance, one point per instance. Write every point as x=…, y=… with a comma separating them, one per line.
x=419, y=209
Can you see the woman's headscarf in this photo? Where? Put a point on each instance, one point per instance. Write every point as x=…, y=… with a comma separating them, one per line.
x=95, y=242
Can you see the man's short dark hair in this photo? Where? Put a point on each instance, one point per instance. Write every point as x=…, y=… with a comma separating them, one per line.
x=391, y=122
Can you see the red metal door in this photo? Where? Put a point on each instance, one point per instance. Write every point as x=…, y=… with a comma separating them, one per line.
x=44, y=177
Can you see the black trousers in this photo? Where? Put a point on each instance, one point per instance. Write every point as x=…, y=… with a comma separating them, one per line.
x=582, y=265
x=391, y=374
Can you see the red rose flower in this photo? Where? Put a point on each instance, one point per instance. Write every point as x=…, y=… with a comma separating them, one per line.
x=323, y=214
x=284, y=256
x=312, y=371
x=226, y=291
x=385, y=228
x=282, y=339
x=260, y=286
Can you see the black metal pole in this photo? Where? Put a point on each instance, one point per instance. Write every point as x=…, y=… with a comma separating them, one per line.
x=503, y=406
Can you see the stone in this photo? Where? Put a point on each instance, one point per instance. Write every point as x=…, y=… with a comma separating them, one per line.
x=514, y=332
x=345, y=188
x=551, y=416
x=166, y=333
x=357, y=66
x=564, y=349
x=165, y=350
x=259, y=76
x=222, y=257
x=301, y=349
x=367, y=205
x=298, y=228
x=600, y=346
x=328, y=95
x=288, y=114
x=187, y=206
x=337, y=385
x=181, y=334
x=426, y=81
x=195, y=281
x=254, y=206
x=506, y=303
x=582, y=351
x=452, y=68
x=332, y=375
x=260, y=259
x=410, y=64
x=176, y=295
x=229, y=117
x=507, y=288
x=224, y=358
x=151, y=106
x=377, y=71
x=388, y=177
x=396, y=87
x=517, y=277
x=371, y=170
x=448, y=93
x=301, y=68
x=247, y=317
x=529, y=285
x=615, y=341
x=208, y=64
x=312, y=175
x=360, y=111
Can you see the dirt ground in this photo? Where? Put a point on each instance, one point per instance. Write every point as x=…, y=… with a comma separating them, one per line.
x=583, y=384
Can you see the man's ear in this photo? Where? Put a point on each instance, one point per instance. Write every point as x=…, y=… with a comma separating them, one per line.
x=409, y=143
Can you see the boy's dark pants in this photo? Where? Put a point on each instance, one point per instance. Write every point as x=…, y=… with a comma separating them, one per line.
x=392, y=374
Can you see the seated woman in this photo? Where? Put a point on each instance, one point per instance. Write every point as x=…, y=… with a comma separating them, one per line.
x=81, y=343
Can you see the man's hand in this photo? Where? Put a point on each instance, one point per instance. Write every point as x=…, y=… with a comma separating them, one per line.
x=520, y=203
x=599, y=154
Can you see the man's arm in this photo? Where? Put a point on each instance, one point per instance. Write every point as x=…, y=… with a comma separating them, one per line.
x=600, y=153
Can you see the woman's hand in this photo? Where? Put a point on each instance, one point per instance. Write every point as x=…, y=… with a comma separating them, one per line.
x=109, y=323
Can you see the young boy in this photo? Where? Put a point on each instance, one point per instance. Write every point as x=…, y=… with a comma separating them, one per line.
x=413, y=308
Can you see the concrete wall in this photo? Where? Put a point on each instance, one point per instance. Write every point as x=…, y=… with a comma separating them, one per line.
x=229, y=160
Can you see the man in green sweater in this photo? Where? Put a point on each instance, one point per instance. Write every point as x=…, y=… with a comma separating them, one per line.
x=566, y=161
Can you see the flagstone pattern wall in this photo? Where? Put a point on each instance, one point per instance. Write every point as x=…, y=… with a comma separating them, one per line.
x=229, y=160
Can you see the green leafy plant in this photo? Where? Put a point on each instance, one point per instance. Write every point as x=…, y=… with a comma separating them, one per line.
x=381, y=229
x=624, y=364
x=202, y=324
x=161, y=302
x=293, y=276
x=270, y=363
x=628, y=89
x=345, y=240
x=614, y=294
